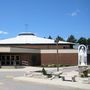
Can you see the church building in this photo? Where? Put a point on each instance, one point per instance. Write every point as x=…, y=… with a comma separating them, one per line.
x=29, y=49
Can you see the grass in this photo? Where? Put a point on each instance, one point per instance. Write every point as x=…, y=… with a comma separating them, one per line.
x=55, y=65
x=12, y=67
x=7, y=67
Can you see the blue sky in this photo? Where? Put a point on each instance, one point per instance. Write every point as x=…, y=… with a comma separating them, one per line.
x=45, y=17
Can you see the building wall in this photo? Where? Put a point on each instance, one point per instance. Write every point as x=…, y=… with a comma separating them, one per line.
x=47, y=56
x=42, y=46
x=47, y=46
x=8, y=58
x=88, y=59
x=88, y=56
x=32, y=59
x=24, y=58
x=63, y=58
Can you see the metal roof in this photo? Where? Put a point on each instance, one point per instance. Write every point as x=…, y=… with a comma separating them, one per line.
x=30, y=38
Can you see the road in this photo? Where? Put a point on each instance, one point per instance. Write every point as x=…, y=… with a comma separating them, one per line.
x=7, y=83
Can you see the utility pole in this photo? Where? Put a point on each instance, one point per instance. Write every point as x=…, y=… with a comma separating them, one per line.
x=56, y=41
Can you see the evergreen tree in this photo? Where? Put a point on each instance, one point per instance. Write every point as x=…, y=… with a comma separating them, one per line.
x=71, y=38
x=49, y=37
x=82, y=40
x=59, y=38
x=88, y=41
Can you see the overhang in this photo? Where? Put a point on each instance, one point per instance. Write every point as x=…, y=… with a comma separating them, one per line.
x=18, y=50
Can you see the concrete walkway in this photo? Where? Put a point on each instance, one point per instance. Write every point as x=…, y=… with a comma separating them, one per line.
x=55, y=82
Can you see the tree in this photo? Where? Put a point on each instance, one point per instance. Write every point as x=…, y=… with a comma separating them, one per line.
x=49, y=37
x=88, y=41
x=59, y=38
x=71, y=38
x=82, y=40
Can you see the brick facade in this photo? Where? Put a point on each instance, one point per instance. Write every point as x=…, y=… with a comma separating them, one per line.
x=88, y=59
x=37, y=59
x=42, y=46
x=63, y=58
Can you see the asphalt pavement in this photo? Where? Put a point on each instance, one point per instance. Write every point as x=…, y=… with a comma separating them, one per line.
x=7, y=83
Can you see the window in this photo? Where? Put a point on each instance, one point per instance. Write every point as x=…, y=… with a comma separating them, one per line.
x=0, y=58
x=17, y=60
x=12, y=57
x=8, y=58
x=17, y=57
x=3, y=57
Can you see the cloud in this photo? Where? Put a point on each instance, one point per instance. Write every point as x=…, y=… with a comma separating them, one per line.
x=3, y=32
x=74, y=13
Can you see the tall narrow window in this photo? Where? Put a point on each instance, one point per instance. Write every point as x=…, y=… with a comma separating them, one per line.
x=17, y=60
x=0, y=58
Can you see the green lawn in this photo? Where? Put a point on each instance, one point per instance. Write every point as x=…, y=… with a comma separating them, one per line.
x=7, y=67
x=12, y=67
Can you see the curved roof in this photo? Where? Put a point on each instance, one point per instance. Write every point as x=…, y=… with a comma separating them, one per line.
x=29, y=38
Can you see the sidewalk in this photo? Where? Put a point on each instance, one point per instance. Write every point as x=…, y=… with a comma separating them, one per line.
x=48, y=81
x=20, y=69
x=11, y=70
x=55, y=82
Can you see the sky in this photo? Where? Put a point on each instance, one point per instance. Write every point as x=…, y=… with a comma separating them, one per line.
x=45, y=17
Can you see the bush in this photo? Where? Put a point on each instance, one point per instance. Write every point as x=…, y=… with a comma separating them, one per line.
x=60, y=65
x=52, y=65
x=43, y=65
x=55, y=65
x=49, y=75
x=84, y=73
x=81, y=75
x=44, y=71
x=67, y=65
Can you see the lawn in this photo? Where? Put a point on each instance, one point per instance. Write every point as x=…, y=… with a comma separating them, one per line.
x=12, y=67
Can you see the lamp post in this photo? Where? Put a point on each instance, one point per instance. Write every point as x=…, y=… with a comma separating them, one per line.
x=56, y=41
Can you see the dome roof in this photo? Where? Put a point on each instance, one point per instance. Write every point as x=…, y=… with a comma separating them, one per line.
x=29, y=38
x=26, y=33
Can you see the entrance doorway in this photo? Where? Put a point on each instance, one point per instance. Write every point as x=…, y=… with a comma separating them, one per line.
x=9, y=60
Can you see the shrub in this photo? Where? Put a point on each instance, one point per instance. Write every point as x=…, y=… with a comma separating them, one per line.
x=44, y=71
x=84, y=73
x=67, y=65
x=52, y=65
x=49, y=75
x=81, y=75
x=44, y=65
x=49, y=65
x=60, y=65
x=55, y=65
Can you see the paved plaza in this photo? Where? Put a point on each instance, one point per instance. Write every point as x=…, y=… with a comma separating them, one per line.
x=8, y=81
